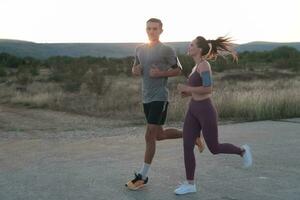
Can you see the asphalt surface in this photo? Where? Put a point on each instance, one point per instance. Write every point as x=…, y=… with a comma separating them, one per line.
x=47, y=168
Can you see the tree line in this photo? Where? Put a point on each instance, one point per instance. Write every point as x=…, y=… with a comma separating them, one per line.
x=73, y=70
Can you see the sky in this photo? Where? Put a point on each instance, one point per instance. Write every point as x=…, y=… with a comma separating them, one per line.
x=67, y=21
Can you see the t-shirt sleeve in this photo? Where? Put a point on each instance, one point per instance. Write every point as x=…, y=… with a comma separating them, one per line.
x=172, y=59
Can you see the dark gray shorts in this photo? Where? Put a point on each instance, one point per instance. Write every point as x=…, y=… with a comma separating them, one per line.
x=156, y=112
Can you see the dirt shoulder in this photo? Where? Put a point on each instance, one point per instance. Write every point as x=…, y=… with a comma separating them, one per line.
x=19, y=122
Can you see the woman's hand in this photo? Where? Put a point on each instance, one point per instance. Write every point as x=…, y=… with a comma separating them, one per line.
x=183, y=88
x=186, y=94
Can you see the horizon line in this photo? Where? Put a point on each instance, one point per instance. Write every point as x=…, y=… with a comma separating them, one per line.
x=130, y=42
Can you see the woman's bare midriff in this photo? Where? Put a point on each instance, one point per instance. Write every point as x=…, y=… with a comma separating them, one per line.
x=198, y=97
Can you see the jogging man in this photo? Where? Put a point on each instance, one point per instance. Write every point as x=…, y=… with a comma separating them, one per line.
x=154, y=62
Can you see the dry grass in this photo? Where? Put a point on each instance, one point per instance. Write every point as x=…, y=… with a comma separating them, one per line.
x=238, y=100
x=259, y=100
x=248, y=100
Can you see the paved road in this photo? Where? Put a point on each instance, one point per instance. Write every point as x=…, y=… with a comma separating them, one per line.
x=74, y=168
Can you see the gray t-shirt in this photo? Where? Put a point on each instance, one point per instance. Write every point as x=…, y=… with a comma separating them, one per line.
x=162, y=56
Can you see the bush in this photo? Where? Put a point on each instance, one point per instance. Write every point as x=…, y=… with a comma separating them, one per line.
x=73, y=77
x=34, y=71
x=187, y=64
x=71, y=86
x=24, y=78
x=96, y=81
x=10, y=61
x=293, y=64
x=3, y=72
x=23, y=75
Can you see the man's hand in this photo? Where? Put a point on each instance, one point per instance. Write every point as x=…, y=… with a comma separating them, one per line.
x=155, y=72
x=137, y=70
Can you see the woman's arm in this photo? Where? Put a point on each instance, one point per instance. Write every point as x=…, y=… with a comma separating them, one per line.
x=197, y=90
x=204, y=71
x=206, y=88
x=186, y=94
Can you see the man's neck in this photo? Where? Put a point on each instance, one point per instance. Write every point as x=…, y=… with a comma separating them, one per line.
x=154, y=42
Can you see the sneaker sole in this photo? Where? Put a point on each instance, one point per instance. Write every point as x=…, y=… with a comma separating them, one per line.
x=248, y=149
x=137, y=188
x=186, y=193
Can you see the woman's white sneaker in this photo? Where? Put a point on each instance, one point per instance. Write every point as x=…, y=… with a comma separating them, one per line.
x=247, y=156
x=185, y=188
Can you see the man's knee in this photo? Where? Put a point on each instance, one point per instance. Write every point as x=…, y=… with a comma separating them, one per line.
x=154, y=132
x=150, y=135
x=160, y=137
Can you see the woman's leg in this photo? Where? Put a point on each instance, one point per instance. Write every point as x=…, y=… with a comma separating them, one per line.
x=209, y=124
x=191, y=130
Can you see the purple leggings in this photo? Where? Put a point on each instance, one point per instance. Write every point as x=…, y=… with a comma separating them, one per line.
x=202, y=115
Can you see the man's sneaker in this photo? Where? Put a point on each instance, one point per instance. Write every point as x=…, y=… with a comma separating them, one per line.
x=185, y=188
x=200, y=143
x=137, y=182
x=247, y=156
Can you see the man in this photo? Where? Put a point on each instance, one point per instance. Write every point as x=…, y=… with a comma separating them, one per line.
x=154, y=62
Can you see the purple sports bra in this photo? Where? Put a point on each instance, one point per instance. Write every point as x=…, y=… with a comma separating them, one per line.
x=195, y=79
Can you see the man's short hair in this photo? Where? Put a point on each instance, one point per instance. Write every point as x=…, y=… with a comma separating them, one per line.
x=156, y=21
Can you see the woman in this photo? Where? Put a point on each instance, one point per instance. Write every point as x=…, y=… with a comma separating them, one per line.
x=201, y=114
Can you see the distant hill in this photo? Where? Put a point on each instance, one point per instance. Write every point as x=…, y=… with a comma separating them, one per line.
x=265, y=46
x=44, y=50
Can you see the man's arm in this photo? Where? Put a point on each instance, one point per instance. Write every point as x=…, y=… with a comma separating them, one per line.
x=175, y=70
x=136, y=68
x=155, y=72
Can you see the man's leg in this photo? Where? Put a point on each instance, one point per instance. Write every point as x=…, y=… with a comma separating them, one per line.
x=169, y=133
x=141, y=178
x=153, y=112
x=155, y=132
x=172, y=133
x=161, y=116
x=150, y=138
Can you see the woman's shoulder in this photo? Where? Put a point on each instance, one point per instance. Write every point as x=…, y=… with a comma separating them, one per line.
x=203, y=66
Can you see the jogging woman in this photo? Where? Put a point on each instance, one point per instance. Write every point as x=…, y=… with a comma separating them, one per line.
x=201, y=114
